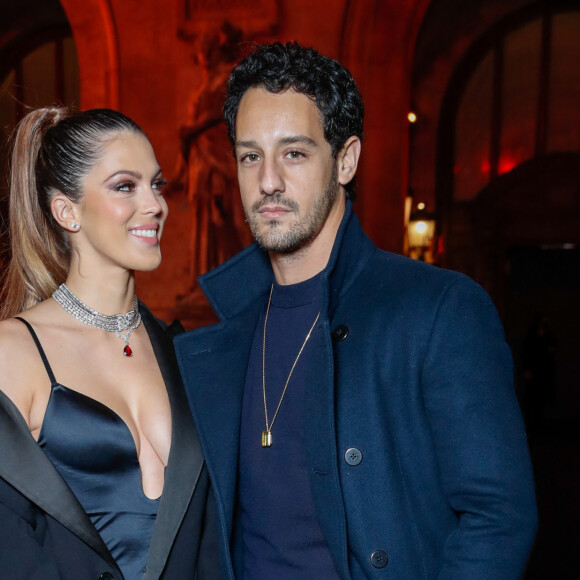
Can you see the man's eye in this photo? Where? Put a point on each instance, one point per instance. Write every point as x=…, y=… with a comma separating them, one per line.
x=295, y=154
x=249, y=157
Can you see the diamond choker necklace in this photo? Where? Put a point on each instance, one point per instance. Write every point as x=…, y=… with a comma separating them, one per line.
x=121, y=324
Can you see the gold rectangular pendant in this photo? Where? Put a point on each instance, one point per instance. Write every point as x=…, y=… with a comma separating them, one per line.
x=266, y=438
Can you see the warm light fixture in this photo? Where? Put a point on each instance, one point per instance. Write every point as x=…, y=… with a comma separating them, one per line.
x=411, y=117
x=420, y=228
x=420, y=233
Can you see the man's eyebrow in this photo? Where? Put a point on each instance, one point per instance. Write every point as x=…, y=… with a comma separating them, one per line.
x=246, y=144
x=297, y=139
x=284, y=141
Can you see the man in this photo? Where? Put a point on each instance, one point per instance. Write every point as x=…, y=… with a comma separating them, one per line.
x=356, y=408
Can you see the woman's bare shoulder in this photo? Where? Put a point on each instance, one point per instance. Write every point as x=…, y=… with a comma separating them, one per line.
x=14, y=341
x=15, y=352
x=20, y=362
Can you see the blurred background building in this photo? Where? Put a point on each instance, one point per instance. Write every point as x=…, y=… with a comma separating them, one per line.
x=471, y=159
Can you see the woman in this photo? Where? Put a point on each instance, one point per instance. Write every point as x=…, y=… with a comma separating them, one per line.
x=101, y=473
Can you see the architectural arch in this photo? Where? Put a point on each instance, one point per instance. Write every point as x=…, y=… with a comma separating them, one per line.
x=93, y=26
x=378, y=42
x=459, y=212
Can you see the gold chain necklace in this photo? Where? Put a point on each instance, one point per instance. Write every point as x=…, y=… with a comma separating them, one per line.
x=267, y=434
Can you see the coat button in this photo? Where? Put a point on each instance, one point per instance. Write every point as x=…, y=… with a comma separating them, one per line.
x=106, y=576
x=353, y=456
x=379, y=559
x=340, y=333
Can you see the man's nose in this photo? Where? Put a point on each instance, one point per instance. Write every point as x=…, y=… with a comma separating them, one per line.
x=271, y=178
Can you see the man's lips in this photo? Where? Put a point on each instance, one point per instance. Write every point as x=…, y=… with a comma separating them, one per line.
x=271, y=211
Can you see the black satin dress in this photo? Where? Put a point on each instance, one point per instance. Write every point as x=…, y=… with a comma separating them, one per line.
x=94, y=451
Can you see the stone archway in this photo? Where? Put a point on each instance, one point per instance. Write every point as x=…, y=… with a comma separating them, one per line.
x=378, y=43
x=95, y=35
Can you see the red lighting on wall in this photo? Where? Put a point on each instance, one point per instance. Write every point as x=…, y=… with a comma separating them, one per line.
x=505, y=164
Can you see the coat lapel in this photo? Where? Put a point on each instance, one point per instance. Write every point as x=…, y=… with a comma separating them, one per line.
x=321, y=450
x=185, y=458
x=25, y=466
x=213, y=362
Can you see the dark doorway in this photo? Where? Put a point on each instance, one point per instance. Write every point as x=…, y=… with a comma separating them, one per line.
x=542, y=317
x=544, y=301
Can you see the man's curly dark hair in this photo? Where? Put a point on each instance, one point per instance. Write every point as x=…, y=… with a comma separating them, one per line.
x=279, y=67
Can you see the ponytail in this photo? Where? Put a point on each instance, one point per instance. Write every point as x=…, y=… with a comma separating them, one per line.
x=39, y=258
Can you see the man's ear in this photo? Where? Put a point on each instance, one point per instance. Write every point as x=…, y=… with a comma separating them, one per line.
x=347, y=159
x=65, y=212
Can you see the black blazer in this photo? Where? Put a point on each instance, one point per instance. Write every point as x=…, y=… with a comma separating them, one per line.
x=45, y=533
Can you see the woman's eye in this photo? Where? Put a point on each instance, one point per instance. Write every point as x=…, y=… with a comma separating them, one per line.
x=159, y=185
x=126, y=187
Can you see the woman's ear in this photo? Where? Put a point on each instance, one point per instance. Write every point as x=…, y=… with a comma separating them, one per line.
x=347, y=159
x=65, y=212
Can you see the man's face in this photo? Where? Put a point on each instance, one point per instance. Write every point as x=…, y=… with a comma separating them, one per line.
x=287, y=175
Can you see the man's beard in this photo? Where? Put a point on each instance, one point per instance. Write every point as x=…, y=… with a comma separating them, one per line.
x=306, y=227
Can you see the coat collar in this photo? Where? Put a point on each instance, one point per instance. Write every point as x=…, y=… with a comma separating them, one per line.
x=238, y=283
x=24, y=465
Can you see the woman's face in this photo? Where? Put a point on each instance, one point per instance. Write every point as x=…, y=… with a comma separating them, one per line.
x=122, y=210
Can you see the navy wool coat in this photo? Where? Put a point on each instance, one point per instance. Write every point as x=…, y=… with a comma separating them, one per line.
x=46, y=535
x=413, y=373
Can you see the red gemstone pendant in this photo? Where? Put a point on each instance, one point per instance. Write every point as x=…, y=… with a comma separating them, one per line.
x=127, y=350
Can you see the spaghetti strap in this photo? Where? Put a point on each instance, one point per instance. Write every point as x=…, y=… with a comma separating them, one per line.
x=40, y=350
